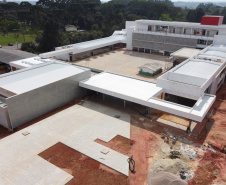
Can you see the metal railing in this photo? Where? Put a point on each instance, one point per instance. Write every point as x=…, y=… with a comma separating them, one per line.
x=165, y=33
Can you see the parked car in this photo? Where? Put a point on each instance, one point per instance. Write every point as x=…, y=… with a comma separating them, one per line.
x=10, y=44
x=0, y=46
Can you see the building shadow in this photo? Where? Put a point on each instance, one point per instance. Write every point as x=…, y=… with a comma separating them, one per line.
x=150, y=122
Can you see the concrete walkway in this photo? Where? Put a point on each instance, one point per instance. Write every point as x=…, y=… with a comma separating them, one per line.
x=77, y=127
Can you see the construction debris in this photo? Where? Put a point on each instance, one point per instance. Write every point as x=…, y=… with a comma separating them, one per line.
x=175, y=154
x=187, y=175
x=192, y=154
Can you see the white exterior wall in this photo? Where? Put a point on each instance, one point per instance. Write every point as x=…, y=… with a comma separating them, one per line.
x=4, y=117
x=129, y=38
x=130, y=24
x=180, y=89
x=219, y=77
x=222, y=32
x=63, y=57
x=219, y=39
x=179, y=30
x=141, y=27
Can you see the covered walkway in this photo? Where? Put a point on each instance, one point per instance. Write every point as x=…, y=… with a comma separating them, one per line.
x=145, y=93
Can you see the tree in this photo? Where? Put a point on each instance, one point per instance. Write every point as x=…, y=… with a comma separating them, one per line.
x=95, y=27
x=52, y=36
x=195, y=15
x=165, y=17
x=199, y=13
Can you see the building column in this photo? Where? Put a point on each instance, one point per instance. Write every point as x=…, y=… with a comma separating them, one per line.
x=189, y=127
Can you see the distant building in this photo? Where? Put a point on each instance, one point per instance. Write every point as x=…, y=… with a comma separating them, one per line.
x=170, y=36
x=70, y=28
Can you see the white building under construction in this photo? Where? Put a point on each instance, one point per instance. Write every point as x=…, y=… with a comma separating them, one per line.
x=195, y=80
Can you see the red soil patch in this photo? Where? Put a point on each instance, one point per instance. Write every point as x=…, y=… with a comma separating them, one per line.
x=217, y=135
x=145, y=146
x=142, y=146
x=4, y=132
x=85, y=170
x=119, y=144
x=212, y=167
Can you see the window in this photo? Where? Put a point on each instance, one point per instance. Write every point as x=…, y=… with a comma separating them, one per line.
x=201, y=42
x=162, y=28
x=149, y=28
x=209, y=42
x=203, y=32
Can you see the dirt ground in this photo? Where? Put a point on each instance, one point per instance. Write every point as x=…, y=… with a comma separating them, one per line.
x=147, y=147
x=211, y=169
x=85, y=170
x=212, y=166
x=217, y=135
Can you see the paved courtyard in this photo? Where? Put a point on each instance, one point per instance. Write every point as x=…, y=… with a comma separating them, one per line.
x=76, y=127
x=124, y=62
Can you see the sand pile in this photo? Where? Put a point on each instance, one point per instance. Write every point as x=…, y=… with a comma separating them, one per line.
x=165, y=178
x=169, y=165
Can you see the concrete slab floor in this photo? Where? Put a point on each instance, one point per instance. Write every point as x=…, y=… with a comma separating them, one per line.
x=77, y=127
x=123, y=62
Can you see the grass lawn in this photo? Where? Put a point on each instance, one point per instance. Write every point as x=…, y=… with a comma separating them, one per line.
x=5, y=40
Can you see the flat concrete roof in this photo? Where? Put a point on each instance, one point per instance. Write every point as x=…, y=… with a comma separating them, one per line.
x=28, y=62
x=85, y=46
x=214, y=52
x=197, y=68
x=31, y=78
x=145, y=93
x=125, y=86
x=185, y=53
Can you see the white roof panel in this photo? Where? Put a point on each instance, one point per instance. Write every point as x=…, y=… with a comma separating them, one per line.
x=144, y=93
x=123, y=86
x=85, y=46
x=198, y=68
x=214, y=52
x=31, y=78
x=185, y=53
